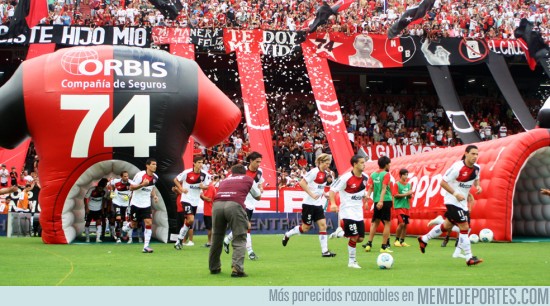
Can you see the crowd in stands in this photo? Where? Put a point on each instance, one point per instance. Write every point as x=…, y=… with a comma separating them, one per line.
x=298, y=134
x=448, y=18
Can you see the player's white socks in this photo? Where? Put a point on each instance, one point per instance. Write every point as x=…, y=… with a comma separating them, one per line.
x=127, y=228
x=183, y=232
x=98, y=232
x=433, y=233
x=248, y=242
x=228, y=238
x=87, y=231
x=323, y=239
x=352, y=251
x=294, y=231
x=147, y=235
x=464, y=244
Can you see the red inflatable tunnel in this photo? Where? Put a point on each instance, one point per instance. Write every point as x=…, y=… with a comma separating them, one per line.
x=513, y=169
x=96, y=111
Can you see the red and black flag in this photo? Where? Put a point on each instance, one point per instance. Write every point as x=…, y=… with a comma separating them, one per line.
x=532, y=43
x=168, y=8
x=27, y=14
x=325, y=11
x=412, y=14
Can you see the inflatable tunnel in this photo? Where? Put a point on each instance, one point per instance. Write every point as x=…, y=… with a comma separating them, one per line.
x=95, y=111
x=513, y=170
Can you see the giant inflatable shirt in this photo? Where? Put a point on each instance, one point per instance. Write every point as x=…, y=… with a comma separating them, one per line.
x=95, y=111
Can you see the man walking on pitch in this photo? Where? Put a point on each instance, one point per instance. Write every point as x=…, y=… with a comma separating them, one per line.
x=457, y=181
x=229, y=210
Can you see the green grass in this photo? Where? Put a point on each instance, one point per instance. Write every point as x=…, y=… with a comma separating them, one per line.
x=29, y=262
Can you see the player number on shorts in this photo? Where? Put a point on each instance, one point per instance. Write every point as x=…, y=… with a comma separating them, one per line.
x=96, y=105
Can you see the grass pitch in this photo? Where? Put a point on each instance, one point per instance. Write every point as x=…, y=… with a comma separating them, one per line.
x=29, y=262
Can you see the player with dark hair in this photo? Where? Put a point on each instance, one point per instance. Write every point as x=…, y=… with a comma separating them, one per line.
x=402, y=205
x=457, y=181
x=190, y=183
x=254, y=160
x=143, y=188
x=120, y=195
x=94, y=205
x=352, y=188
x=379, y=187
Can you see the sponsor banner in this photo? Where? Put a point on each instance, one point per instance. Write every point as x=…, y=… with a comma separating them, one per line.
x=272, y=223
x=377, y=151
x=95, y=70
x=3, y=224
x=444, y=52
x=279, y=43
x=83, y=36
x=360, y=50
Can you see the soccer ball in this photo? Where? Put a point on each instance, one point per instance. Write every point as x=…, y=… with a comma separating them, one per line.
x=474, y=238
x=486, y=235
x=384, y=261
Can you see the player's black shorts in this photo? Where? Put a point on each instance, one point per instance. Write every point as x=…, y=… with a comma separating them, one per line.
x=383, y=214
x=457, y=215
x=189, y=209
x=96, y=215
x=118, y=211
x=138, y=214
x=312, y=213
x=208, y=222
x=354, y=228
x=249, y=213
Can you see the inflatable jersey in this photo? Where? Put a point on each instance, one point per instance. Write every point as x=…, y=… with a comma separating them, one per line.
x=96, y=111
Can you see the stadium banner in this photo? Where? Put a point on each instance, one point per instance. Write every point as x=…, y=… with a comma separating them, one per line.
x=272, y=223
x=444, y=52
x=166, y=35
x=256, y=111
x=378, y=150
x=448, y=98
x=210, y=39
x=328, y=107
x=83, y=36
x=500, y=72
x=3, y=224
x=247, y=41
x=279, y=43
x=505, y=47
x=360, y=50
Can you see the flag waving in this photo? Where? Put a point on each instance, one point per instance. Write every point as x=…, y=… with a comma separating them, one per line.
x=532, y=43
x=325, y=11
x=410, y=15
x=168, y=8
x=28, y=13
